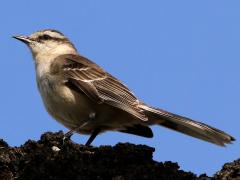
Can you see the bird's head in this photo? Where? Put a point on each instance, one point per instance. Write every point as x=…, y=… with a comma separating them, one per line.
x=47, y=42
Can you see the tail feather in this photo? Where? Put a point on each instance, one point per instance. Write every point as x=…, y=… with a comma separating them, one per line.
x=187, y=126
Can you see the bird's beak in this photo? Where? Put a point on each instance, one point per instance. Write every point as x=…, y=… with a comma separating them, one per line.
x=24, y=39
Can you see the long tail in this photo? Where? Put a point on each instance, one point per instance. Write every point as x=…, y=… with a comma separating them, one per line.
x=187, y=126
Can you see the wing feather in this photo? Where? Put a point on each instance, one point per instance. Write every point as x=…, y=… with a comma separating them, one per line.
x=99, y=85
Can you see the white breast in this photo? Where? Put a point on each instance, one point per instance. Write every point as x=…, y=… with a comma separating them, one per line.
x=66, y=106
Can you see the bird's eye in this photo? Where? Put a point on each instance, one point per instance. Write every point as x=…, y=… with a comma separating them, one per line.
x=45, y=37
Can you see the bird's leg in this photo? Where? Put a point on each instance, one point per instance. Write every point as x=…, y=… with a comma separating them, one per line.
x=95, y=132
x=71, y=132
x=92, y=137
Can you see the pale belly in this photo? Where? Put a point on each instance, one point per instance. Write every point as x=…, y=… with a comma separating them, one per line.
x=73, y=109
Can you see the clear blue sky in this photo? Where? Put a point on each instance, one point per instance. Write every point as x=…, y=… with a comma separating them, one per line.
x=182, y=56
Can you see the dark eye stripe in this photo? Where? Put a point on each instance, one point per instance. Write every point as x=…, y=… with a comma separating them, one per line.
x=46, y=37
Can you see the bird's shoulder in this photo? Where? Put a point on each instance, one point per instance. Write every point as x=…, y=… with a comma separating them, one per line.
x=69, y=62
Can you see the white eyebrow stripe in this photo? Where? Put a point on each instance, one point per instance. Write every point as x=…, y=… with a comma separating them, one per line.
x=53, y=34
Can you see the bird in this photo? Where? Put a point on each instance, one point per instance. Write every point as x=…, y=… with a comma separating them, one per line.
x=86, y=99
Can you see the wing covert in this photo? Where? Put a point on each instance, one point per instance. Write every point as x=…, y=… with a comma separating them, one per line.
x=99, y=85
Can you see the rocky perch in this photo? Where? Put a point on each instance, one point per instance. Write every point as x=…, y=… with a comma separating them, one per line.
x=51, y=158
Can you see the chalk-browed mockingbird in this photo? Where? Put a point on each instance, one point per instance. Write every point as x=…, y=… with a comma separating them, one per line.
x=88, y=100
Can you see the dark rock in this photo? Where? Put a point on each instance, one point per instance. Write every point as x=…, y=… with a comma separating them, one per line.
x=230, y=171
x=54, y=158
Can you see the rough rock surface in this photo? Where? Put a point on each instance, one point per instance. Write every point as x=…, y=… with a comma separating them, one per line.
x=53, y=158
